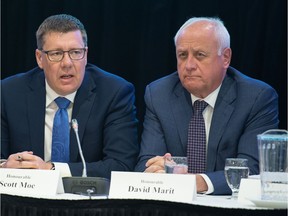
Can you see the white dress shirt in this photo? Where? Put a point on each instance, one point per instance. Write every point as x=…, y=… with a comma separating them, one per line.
x=51, y=109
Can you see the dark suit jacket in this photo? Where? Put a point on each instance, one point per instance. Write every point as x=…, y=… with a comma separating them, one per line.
x=244, y=108
x=103, y=106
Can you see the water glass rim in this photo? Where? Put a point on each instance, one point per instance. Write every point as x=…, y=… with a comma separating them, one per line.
x=242, y=159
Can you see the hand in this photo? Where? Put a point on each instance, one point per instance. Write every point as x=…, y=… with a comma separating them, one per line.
x=26, y=160
x=156, y=164
x=201, y=184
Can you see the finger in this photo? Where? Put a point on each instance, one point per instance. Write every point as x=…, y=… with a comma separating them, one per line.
x=167, y=155
x=19, y=157
x=155, y=160
x=28, y=156
x=153, y=169
x=26, y=152
x=161, y=171
x=27, y=165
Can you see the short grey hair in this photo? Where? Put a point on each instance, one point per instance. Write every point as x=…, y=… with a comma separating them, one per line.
x=59, y=23
x=221, y=32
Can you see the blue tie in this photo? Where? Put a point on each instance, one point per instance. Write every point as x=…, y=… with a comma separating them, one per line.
x=61, y=130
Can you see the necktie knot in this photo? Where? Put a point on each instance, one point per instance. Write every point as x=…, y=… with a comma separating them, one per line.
x=62, y=102
x=199, y=106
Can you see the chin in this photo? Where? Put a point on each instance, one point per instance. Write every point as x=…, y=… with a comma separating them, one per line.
x=65, y=92
x=193, y=90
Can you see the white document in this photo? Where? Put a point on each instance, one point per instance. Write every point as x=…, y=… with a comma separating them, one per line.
x=30, y=182
x=153, y=186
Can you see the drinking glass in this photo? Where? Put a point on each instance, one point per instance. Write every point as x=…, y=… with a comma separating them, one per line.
x=176, y=165
x=235, y=169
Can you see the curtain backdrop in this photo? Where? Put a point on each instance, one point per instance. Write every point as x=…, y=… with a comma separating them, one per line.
x=134, y=38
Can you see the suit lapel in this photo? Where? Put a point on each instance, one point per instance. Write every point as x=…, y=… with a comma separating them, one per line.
x=36, y=113
x=221, y=115
x=36, y=102
x=182, y=111
x=83, y=103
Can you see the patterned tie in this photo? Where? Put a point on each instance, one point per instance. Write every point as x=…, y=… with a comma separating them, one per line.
x=60, y=134
x=196, y=147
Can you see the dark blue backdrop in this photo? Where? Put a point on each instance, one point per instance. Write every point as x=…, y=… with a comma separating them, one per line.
x=134, y=38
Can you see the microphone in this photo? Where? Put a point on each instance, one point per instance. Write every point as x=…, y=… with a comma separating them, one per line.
x=75, y=127
x=85, y=185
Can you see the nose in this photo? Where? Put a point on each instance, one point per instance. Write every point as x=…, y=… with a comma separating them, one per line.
x=191, y=63
x=66, y=59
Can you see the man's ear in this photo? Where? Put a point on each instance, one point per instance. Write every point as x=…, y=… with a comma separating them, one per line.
x=227, y=55
x=38, y=55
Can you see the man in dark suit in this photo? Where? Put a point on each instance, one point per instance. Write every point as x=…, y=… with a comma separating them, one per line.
x=238, y=108
x=102, y=103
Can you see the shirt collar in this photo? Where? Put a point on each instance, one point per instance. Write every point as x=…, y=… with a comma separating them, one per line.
x=51, y=95
x=210, y=99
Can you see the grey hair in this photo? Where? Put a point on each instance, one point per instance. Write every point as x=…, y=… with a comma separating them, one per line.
x=221, y=32
x=59, y=23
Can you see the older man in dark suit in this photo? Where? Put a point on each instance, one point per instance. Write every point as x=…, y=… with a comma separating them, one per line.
x=237, y=107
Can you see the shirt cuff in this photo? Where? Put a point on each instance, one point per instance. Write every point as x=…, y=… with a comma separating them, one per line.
x=209, y=184
x=63, y=168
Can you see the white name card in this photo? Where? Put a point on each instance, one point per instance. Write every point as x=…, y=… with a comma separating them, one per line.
x=153, y=186
x=30, y=182
x=249, y=188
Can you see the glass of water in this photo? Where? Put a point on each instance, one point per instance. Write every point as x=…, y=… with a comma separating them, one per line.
x=176, y=165
x=235, y=170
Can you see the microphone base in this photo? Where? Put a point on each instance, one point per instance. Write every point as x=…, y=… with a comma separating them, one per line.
x=92, y=186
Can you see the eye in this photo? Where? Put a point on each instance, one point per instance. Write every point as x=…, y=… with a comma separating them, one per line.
x=200, y=55
x=75, y=52
x=182, y=55
x=55, y=53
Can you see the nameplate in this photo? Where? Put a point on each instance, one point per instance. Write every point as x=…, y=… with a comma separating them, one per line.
x=249, y=188
x=30, y=182
x=153, y=186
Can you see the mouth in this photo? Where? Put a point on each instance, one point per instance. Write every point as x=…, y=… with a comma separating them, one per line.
x=192, y=77
x=66, y=76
